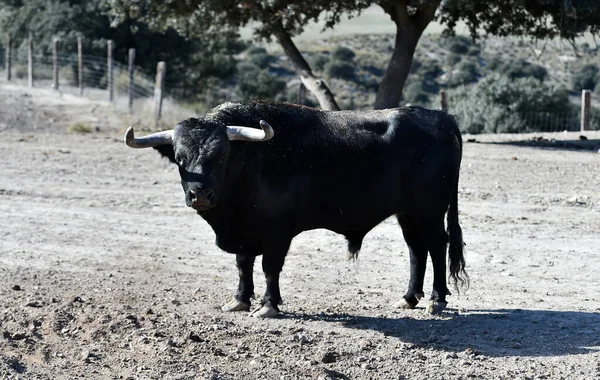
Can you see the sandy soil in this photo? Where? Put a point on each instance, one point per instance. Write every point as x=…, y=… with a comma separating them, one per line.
x=106, y=274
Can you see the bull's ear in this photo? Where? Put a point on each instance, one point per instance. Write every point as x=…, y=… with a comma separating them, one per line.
x=166, y=151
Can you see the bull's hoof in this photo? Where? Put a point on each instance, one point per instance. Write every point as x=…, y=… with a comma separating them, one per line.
x=235, y=305
x=266, y=311
x=406, y=305
x=436, y=307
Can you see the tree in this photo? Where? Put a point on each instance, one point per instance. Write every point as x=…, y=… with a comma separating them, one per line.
x=283, y=19
x=586, y=78
x=193, y=62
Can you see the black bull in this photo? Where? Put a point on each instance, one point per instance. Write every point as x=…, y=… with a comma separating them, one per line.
x=345, y=171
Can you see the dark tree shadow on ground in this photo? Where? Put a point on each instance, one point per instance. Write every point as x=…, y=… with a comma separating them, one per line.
x=574, y=145
x=501, y=332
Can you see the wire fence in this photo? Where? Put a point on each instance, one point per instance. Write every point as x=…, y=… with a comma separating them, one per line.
x=143, y=94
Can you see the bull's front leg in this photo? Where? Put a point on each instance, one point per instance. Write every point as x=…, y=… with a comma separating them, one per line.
x=241, y=301
x=272, y=262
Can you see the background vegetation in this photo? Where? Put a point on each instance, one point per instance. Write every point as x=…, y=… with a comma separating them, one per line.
x=493, y=85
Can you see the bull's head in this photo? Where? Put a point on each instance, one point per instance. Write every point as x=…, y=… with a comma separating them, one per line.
x=199, y=147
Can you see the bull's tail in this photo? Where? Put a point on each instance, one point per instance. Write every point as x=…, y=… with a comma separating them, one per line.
x=456, y=256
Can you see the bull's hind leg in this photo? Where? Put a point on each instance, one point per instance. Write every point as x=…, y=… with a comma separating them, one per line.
x=241, y=301
x=436, y=239
x=418, y=262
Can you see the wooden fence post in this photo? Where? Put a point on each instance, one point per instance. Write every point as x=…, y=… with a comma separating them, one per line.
x=55, y=63
x=80, y=65
x=586, y=103
x=301, y=93
x=30, y=59
x=161, y=70
x=8, y=58
x=444, y=101
x=131, y=72
x=109, y=71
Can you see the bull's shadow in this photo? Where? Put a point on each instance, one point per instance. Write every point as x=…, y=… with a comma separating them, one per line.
x=502, y=332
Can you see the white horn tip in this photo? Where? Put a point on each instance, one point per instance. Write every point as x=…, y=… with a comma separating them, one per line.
x=129, y=137
x=269, y=133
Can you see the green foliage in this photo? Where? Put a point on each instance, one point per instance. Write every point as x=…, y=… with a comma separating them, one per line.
x=343, y=54
x=521, y=68
x=586, y=78
x=416, y=93
x=319, y=61
x=457, y=44
x=467, y=73
x=340, y=70
x=452, y=59
x=257, y=83
x=260, y=57
x=190, y=61
x=499, y=104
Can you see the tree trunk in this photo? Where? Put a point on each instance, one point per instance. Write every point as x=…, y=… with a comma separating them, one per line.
x=409, y=28
x=312, y=83
x=390, y=89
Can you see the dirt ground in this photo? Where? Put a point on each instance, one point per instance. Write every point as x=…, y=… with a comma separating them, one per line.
x=105, y=274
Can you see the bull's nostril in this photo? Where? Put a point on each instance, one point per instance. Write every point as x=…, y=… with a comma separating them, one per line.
x=210, y=194
x=192, y=195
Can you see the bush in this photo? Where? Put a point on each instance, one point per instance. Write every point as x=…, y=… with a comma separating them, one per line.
x=585, y=78
x=457, y=44
x=430, y=69
x=343, y=54
x=498, y=104
x=319, y=61
x=341, y=70
x=473, y=51
x=467, y=73
x=257, y=83
x=415, y=93
x=521, y=68
x=452, y=59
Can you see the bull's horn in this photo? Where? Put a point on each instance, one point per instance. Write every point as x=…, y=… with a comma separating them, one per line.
x=235, y=132
x=155, y=139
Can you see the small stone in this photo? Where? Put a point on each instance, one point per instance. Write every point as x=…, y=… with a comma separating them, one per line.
x=451, y=355
x=19, y=336
x=302, y=339
x=362, y=359
x=33, y=304
x=16, y=287
x=194, y=337
x=329, y=357
x=367, y=366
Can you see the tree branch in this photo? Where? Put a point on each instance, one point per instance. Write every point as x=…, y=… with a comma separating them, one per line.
x=312, y=83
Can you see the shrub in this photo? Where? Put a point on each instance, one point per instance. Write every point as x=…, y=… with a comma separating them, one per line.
x=415, y=93
x=467, y=73
x=521, y=68
x=499, y=104
x=341, y=70
x=256, y=83
x=585, y=78
x=457, y=44
x=343, y=54
x=452, y=59
x=319, y=61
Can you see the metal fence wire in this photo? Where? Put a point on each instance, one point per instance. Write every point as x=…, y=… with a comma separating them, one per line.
x=139, y=96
